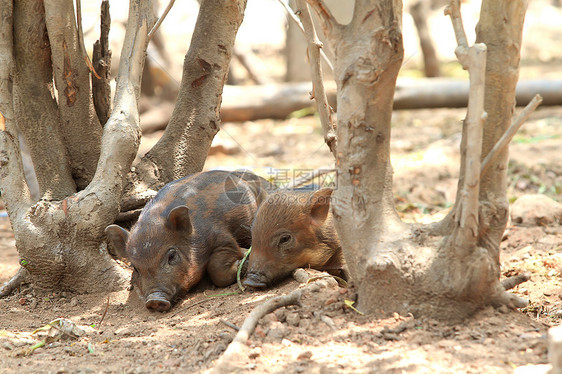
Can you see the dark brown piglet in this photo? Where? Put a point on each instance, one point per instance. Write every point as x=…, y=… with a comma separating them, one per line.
x=193, y=225
x=293, y=229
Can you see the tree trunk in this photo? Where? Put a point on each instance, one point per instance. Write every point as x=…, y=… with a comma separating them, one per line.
x=447, y=270
x=61, y=238
x=183, y=148
x=61, y=241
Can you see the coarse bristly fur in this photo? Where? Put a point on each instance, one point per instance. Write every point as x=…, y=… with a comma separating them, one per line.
x=293, y=229
x=194, y=225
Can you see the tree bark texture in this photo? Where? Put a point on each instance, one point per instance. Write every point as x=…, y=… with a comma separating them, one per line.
x=183, y=148
x=71, y=75
x=60, y=238
x=61, y=241
x=397, y=267
x=502, y=72
x=101, y=61
x=38, y=118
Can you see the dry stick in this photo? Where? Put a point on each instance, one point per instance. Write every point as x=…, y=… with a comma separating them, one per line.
x=101, y=55
x=516, y=280
x=472, y=59
x=161, y=19
x=224, y=363
x=509, y=133
x=292, y=15
x=14, y=282
x=314, y=45
x=104, y=312
x=241, y=57
x=81, y=38
x=230, y=324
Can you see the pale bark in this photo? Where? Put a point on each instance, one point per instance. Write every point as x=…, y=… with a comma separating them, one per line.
x=71, y=75
x=319, y=94
x=101, y=90
x=368, y=54
x=38, y=119
x=396, y=267
x=61, y=242
x=183, y=148
x=419, y=12
x=502, y=72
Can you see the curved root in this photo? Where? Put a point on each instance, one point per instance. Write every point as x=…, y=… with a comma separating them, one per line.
x=225, y=363
x=516, y=280
x=14, y=282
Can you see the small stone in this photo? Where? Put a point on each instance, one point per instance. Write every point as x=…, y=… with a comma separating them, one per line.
x=332, y=299
x=125, y=331
x=286, y=342
x=270, y=317
x=278, y=331
x=74, y=301
x=22, y=301
x=293, y=318
x=305, y=323
x=281, y=314
x=536, y=210
x=8, y=346
x=255, y=353
x=259, y=332
x=306, y=355
x=503, y=309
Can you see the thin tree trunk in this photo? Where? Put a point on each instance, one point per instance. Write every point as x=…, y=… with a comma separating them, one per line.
x=397, y=267
x=38, y=119
x=183, y=148
x=61, y=242
x=74, y=96
x=502, y=72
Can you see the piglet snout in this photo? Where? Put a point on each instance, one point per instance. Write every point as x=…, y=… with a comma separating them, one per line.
x=255, y=280
x=158, y=302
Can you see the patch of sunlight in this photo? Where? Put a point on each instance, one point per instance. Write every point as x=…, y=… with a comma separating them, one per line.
x=254, y=299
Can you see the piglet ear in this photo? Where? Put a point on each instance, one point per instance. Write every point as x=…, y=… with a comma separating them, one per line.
x=178, y=219
x=319, y=205
x=117, y=238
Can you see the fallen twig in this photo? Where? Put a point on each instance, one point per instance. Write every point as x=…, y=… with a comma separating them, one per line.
x=225, y=363
x=231, y=325
x=516, y=280
x=14, y=282
x=104, y=312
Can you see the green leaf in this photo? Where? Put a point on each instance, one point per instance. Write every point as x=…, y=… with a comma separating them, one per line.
x=350, y=303
x=24, y=263
x=90, y=347
x=240, y=265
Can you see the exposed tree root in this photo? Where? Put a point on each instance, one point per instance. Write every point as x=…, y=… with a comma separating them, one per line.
x=516, y=280
x=14, y=282
x=226, y=363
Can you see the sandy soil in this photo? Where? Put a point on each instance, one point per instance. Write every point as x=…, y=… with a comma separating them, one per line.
x=322, y=335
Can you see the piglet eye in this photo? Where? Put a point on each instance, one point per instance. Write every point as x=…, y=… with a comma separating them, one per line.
x=284, y=239
x=172, y=256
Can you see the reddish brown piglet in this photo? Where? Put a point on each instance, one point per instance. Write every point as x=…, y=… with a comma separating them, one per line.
x=293, y=229
x=194, y=225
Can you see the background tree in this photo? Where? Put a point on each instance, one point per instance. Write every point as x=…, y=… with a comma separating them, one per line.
x=83, y=167
x=449, y=268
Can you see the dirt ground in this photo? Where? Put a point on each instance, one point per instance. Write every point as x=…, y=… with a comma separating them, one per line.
x=323, y=335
